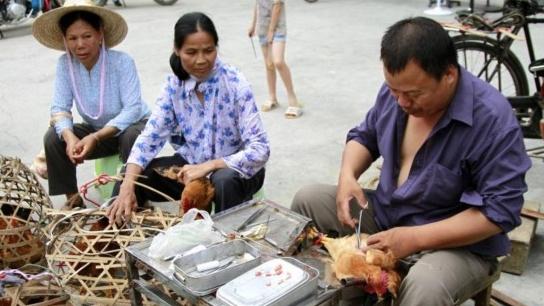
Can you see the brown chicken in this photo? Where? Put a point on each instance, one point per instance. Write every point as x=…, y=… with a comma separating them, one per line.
x=375, y=268
x=196, y=194
x=23, y=243
x=99, y=248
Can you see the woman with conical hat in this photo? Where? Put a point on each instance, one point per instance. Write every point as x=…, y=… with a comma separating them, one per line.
x=102, y=84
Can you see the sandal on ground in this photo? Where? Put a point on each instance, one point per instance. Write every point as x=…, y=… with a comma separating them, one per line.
x=269, y=105
x=293, y=112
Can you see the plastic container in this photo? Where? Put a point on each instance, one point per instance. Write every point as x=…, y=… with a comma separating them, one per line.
x=280, y=281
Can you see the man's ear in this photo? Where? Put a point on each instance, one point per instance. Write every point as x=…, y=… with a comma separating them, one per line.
x=452, y=74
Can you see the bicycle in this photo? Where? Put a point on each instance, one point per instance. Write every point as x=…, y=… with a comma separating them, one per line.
x=484, y=48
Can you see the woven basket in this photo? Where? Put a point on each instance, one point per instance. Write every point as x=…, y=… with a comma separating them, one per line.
x=41, y=290
x=87, y=254
x=22, y=204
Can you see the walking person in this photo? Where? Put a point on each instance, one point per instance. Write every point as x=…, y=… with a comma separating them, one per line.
x=270, y=23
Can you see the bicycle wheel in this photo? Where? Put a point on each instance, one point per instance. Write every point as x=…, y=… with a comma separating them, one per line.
x=56, y=3
x=100, y=2
x=481, y=57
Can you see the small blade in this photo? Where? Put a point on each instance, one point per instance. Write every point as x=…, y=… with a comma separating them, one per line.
x=253, y=47
x=359, y=229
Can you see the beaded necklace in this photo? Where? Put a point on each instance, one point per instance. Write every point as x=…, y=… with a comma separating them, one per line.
x=102, y=81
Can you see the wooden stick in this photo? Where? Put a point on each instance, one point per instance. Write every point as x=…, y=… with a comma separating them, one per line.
x=504, y=299
x=532, y=213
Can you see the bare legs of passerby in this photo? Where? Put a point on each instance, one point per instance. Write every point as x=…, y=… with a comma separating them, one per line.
x=274, y=55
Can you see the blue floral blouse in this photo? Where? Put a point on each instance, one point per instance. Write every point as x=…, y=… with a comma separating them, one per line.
x=226, y=125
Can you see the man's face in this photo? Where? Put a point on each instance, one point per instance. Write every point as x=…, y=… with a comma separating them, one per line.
x=418, y=93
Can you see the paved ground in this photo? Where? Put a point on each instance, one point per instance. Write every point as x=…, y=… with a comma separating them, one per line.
x=333, y=52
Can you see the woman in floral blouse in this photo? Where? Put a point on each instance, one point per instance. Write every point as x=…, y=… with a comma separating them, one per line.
x=208, y=114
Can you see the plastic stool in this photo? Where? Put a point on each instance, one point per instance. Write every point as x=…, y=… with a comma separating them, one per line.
x=109, y=165
x=259, y=195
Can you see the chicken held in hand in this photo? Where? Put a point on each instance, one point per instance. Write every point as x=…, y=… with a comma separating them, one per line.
x=197, y=194
x=375, y=268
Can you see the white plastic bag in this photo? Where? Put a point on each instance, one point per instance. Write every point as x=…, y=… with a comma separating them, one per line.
x=185, y=235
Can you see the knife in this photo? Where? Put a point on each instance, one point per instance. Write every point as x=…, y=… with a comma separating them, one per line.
x=359, y=229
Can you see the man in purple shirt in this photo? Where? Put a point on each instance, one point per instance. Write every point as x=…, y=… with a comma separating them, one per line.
x=453, y=173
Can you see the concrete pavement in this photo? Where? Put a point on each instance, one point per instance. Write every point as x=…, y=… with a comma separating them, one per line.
x=333, y=53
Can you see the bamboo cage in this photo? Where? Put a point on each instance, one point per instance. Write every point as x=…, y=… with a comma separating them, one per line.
x=87, y=253
x=22, y=204
x=39, y=289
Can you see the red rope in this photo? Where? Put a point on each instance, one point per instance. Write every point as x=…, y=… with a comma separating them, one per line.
x=102, y=179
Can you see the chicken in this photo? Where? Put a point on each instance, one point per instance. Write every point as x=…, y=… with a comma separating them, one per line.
x=337, y=246
x=18, y=245
x=374, y=267
x=196, y=194
x=100, y=248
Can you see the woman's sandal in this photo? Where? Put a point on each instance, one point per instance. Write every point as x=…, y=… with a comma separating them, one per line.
x=269, y=105
x=293, y=112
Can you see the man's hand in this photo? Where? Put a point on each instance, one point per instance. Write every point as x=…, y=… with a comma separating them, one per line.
x=400, y=240
x=123, y=205
x=251, y=31
x=347, y=190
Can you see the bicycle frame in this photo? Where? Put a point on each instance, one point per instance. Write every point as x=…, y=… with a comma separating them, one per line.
x=528, y=108
x=506, y=42
x=529, y=43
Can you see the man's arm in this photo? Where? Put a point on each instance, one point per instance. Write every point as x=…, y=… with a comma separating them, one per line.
x=453, y=232
x=355, y=160
x=448, y=233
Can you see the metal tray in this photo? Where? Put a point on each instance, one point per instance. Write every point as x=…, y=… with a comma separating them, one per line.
x=305, y=286
x=284, y=225
x=244, y=258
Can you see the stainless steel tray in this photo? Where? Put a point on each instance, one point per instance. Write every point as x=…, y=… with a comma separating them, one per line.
x=284, y=225
x=244, y=257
